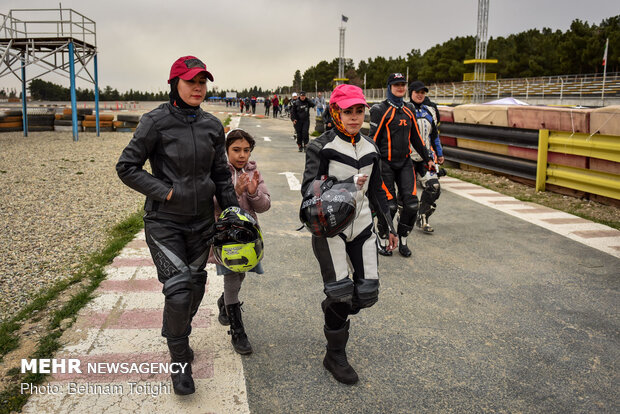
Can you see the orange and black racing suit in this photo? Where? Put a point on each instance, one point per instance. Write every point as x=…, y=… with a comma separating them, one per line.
x=395, y=131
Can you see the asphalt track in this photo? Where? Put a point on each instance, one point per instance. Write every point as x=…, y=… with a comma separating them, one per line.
x=490, y=314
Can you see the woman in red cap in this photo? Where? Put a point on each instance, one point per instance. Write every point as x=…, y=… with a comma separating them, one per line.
x=186, y=150
x=349, y=157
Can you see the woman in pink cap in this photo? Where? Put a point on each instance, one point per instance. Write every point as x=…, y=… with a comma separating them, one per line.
x=347, y=156
x=186, y=150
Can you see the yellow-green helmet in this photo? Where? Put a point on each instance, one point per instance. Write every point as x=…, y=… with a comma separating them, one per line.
x=238, y=241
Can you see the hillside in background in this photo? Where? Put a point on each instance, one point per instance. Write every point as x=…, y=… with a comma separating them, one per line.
x=535, y=52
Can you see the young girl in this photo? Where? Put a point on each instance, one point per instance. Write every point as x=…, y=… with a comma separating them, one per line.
x=348, y=156
x=253, y=197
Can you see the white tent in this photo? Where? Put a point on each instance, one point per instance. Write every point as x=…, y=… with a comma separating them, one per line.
x=506, y=101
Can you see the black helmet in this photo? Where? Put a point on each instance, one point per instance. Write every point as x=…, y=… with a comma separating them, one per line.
x=238, y=241
x=328, y=207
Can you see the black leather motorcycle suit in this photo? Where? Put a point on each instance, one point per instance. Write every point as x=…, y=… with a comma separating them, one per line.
x=186, y=151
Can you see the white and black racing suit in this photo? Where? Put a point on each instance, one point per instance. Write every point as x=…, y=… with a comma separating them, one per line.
x=426, y=117
x=332, y=154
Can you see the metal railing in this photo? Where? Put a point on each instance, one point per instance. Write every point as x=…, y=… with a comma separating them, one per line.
x=561, y=86
x=44, y=23
x=605, y=147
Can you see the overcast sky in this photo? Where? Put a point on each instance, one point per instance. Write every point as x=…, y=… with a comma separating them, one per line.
x=262, y=42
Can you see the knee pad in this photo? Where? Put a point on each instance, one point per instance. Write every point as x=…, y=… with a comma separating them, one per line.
x=393, y=207
x=410, y=210
x=429, y=196
x=366, y=294
x=340, y=291
x=434, y=189
x=178, y=291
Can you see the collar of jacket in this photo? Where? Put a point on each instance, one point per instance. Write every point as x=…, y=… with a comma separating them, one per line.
x=187, y=114
x=417, y=105
x=389, y=102
x=346, y=138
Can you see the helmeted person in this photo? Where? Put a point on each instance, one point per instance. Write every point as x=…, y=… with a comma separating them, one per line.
x=300, y=115
x=186, y=152
x=345, y=157
x=427, y=119
x=393, y=128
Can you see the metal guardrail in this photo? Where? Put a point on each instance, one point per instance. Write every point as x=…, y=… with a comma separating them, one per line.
x=42, y=23
x=494, y=162
x=526, y=138
x=604, y=147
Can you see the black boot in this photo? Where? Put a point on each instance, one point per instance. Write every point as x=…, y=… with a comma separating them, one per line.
x=336, y=357
x=222, y=317
x=403, y=231
x=238, y=339
x=381, y=249
x=402, y=248
x=182, y=382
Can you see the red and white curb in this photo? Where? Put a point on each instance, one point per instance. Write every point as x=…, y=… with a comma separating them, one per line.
x=598, y=236
x=123, y=324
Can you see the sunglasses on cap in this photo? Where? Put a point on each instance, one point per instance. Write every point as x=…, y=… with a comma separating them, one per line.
x=194, y=63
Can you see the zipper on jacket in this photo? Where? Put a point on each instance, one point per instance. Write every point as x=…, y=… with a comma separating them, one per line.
x=359, y=209
x=191, y=125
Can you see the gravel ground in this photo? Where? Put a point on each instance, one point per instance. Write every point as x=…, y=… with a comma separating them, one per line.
x=59, y=198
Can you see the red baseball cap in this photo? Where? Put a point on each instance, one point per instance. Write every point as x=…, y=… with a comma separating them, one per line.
x=187, y=67
x=346, y=96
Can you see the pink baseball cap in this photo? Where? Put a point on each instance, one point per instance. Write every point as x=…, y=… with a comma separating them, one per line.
x=187, y=67
x=346, y=96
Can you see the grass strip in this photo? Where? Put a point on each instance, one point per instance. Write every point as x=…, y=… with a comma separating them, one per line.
x=12, y=399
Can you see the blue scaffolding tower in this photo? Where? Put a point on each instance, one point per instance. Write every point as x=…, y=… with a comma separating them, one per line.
x=52, y=40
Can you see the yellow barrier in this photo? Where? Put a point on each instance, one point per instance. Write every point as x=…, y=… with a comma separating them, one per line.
x=604, y=147
x=593, y=182
x=541, y=166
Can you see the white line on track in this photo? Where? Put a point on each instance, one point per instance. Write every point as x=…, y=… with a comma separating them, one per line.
x=293, y=182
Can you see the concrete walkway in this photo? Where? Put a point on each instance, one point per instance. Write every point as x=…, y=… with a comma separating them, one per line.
x=122, y=324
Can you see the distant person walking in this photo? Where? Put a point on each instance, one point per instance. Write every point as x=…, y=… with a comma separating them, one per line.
x=320, y=104
x=300, y=115
x=179, y=209
x=276, y=105
x=267, y=105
